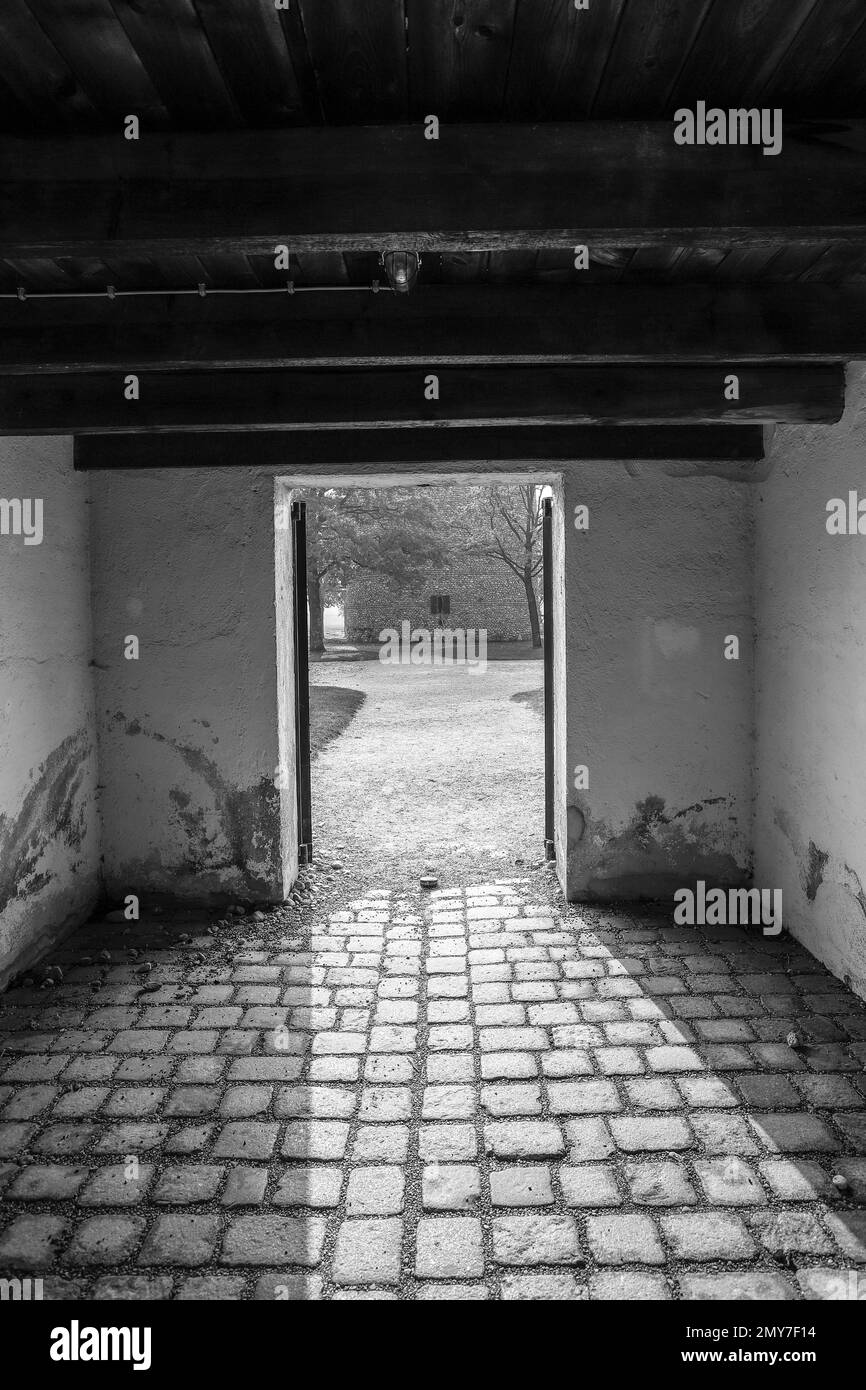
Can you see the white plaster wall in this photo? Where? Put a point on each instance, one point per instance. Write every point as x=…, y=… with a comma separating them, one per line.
x=189, y=742
x=663, y=722
x=811, y=688
x=49, y=833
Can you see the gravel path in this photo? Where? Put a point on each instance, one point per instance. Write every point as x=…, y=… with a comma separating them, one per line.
x=440, y=768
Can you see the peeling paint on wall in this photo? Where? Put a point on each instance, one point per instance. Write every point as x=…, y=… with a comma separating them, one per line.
x=49, y=824
x=855, y=888
x=656, y=852
x=239, y=832
x=54, y=811
x=818, y=867
x=813, y=875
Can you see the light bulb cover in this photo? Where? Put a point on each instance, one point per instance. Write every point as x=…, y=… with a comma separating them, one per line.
x=401, y=268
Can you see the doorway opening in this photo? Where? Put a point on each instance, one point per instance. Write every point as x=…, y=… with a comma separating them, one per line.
x=421, y=669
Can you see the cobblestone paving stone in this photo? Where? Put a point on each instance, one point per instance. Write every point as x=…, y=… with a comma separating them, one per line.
x=466, y=1094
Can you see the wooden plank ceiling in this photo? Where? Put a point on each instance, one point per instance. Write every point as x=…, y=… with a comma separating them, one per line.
x=76, y=67
x=215, y=64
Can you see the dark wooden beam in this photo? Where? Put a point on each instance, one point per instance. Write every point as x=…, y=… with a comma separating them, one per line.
x=478, y=186
x=379, y=449
x=438, y=325
x=197, y=400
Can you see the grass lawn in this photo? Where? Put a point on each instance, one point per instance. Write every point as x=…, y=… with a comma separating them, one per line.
x=332, y=709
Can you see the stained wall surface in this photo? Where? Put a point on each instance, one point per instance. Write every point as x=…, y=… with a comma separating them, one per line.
x=658, y=716
x=188, y=732
x=49, y=821
x=811, y=687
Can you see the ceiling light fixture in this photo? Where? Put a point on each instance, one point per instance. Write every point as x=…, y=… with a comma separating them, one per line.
x=401, y=268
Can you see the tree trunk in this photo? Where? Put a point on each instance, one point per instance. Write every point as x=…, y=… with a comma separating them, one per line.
x=532, y=601
x=317, y=614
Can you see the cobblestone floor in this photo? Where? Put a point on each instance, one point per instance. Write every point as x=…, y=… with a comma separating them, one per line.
x=465, y=1095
